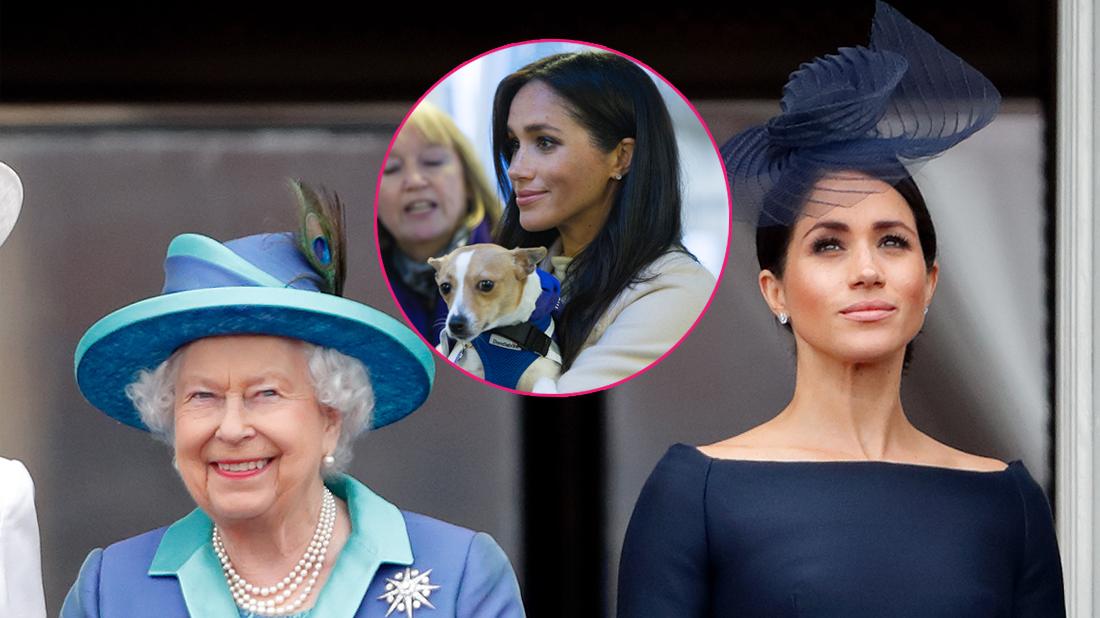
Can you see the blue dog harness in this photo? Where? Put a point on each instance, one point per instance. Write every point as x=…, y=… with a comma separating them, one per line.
x=507, y=351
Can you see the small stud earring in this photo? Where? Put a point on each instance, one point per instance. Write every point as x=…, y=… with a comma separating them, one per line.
x=329, y=461
x=926, y=311
x=617, y=176
x=783, y=318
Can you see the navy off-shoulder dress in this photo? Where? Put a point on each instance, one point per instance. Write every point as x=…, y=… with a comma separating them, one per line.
x=715, y=537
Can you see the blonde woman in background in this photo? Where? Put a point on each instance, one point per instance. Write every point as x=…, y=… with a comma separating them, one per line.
x=434, y=198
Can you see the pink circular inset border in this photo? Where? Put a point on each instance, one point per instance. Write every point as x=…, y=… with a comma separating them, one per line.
x=729, y=219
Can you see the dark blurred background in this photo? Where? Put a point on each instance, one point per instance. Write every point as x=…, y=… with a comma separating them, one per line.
x=131, y=124
x=325, y=52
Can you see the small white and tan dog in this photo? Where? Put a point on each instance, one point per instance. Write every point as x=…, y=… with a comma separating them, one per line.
x=499, y=314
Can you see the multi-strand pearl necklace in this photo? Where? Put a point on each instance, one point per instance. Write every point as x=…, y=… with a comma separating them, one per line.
x=276, y=600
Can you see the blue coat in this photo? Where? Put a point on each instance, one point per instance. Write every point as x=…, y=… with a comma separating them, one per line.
x=173, y=571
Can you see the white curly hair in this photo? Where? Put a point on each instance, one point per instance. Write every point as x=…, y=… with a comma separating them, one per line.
x=339, y=382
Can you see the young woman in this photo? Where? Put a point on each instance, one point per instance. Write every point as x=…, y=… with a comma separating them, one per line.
x=586, y=155
x=839, y=506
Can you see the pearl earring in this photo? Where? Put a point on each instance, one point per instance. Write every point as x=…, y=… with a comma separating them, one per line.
x=783, y=318
x=329, y=461
x=618, y=176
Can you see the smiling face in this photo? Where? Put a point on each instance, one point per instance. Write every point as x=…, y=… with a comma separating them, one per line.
x=855, y=283
x=249, y=433
x=560, y=179
x=422, y=200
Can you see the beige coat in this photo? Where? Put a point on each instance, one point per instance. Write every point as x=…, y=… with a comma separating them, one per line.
x=643, y=322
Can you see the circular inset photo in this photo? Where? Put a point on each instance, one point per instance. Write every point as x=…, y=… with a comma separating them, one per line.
x=553, y=217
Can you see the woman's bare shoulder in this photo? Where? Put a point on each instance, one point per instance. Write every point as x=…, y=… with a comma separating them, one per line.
x=761, y=443
x=766, y=442
x=946, y=456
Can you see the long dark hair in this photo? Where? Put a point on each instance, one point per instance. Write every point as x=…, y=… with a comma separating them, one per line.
x=772, y=241
x=613, y=99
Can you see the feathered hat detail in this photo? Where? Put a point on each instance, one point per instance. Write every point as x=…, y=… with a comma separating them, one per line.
x=903, y=99
x=282, y=284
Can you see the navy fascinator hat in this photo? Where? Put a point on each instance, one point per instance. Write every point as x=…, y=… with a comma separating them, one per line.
x=902, y=100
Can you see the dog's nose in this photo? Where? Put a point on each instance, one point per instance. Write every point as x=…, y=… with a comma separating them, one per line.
x=458, y=325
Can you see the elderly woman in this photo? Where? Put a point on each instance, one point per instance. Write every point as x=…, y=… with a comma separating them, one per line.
x=260, y=381
x=433, y=198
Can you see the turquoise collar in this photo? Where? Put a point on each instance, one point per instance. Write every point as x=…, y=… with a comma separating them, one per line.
x=378, y=536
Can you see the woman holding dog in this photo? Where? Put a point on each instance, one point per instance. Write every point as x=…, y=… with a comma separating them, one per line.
x=585, y=152
x=839, y=506
x=434, y=198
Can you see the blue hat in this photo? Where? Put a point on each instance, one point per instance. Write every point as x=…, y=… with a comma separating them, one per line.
x=258, y=285
x=902, y=100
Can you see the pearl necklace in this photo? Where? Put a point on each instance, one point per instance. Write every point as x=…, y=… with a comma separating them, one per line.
x=253, y=598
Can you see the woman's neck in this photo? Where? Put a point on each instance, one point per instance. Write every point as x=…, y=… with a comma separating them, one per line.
x=583, y=227
x=421, y=251
x=849, y=410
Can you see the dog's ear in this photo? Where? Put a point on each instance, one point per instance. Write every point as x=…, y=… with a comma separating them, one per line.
x=436, y=263
x=527, y=260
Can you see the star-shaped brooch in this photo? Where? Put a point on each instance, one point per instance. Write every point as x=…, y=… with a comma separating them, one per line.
x=408, y=590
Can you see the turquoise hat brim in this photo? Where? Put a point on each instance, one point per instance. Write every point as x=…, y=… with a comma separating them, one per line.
x=144, y=334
